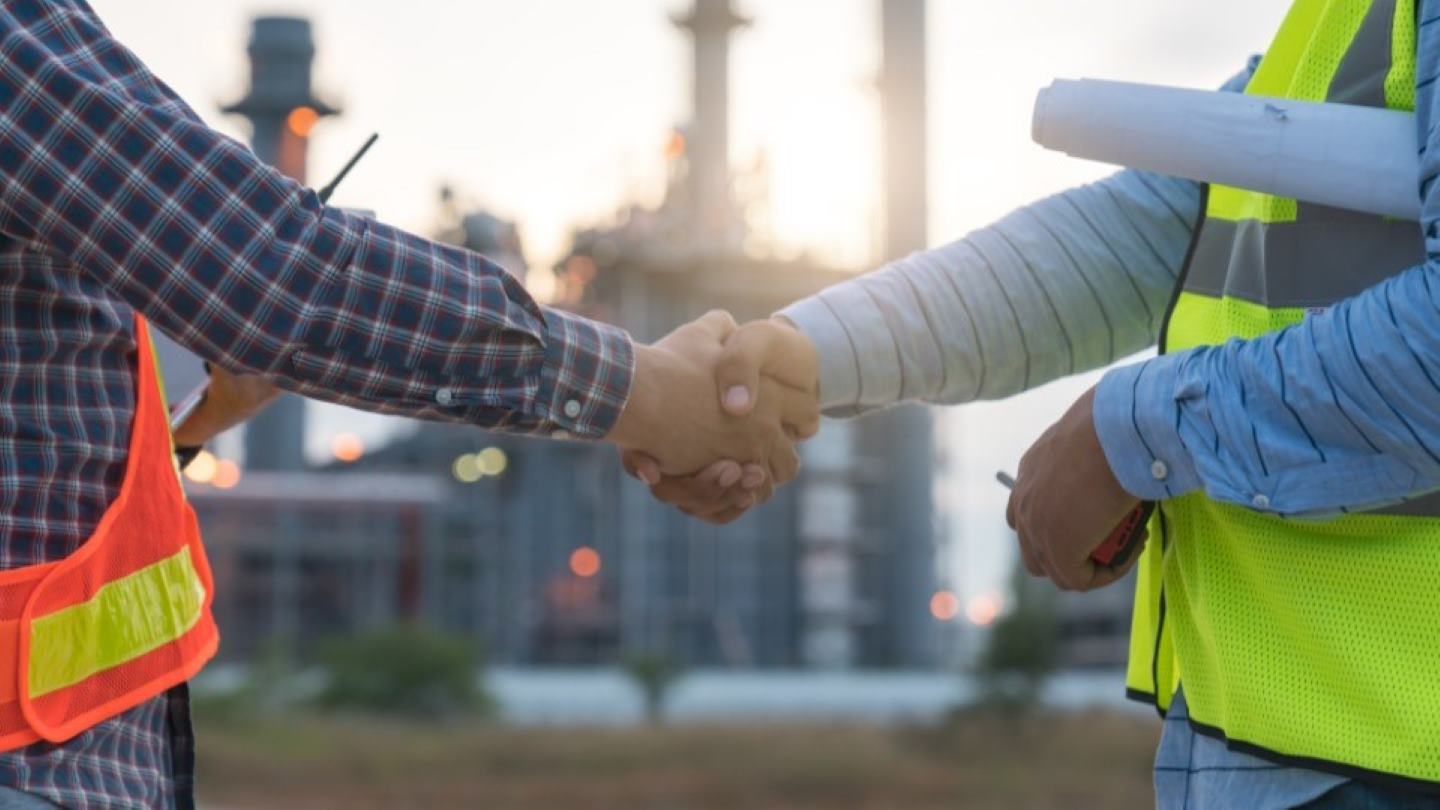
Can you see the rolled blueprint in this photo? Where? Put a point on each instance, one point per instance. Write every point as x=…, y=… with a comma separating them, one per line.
x=1346, y=156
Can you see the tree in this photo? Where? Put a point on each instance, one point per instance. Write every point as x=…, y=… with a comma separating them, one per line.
x=406, y=670
x=654, y=674
x=1023, y=646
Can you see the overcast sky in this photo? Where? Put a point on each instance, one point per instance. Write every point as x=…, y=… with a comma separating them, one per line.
x=555, y=112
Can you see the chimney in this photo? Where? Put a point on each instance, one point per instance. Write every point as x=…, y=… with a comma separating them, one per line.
x=910, y=631
x=282, y=110
x=903, y=92
x=710, y=23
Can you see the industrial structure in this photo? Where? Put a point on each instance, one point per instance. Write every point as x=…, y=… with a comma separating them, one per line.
x=544, y=551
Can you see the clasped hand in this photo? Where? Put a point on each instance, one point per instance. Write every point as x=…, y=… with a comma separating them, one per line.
x=715, y=412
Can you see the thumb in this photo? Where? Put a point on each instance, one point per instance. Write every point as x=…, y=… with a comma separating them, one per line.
x=769, y=347
x=737, y=373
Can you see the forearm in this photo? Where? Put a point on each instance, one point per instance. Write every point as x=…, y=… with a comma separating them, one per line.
x=1068, y=284
x=1338, y=413
x=114, y=175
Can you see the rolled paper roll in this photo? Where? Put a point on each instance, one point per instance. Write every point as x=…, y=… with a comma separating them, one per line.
x=1341, y=155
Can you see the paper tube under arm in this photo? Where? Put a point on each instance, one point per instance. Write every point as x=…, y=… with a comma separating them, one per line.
x=1345, y=156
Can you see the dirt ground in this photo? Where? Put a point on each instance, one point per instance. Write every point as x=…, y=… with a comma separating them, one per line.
x=1067, y=761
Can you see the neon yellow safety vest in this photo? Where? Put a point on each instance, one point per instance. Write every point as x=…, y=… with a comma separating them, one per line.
x=1314, y=643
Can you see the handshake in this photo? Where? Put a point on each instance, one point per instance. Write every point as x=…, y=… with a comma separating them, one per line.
x=715, y=412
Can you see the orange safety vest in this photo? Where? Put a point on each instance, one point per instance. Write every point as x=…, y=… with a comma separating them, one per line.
x=127, y=615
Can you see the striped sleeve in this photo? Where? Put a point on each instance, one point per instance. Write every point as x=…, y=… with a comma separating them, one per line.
x=1071, y=283
x=1065, y=285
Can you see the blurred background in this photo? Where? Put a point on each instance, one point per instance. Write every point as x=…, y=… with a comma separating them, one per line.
x=425, y=615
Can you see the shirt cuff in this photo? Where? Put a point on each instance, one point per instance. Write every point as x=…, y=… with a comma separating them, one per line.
x=1136, y=418
x=839, y=366
x=586, y=380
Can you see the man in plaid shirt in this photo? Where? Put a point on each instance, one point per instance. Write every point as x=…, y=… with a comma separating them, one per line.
x=115, y=198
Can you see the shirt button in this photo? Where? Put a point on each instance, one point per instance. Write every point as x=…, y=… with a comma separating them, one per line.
x=1260, y=502
x=445, y=396
x=560, y=434
x=1159, y=470
x=572, y=408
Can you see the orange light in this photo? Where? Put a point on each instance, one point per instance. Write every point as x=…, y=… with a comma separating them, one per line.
x=984, y=609
x=675, y=147
x=347, y=447
x=202, y=469
x=301, y=120
x=585, y=562
x=227, y=474
x=944, y=605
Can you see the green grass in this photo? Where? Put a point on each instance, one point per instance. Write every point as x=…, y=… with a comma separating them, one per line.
x=981, y=761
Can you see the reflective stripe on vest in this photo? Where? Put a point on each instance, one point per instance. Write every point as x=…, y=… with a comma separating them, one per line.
x=1311, y=642
x=127, y=615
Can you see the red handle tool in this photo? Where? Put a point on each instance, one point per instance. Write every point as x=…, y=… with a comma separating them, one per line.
x=1123, y=541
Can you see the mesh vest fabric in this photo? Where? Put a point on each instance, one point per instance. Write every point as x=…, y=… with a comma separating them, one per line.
x=1308, y=642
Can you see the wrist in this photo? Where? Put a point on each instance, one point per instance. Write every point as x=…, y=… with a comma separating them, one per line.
x=836, y=360
x=637, y=417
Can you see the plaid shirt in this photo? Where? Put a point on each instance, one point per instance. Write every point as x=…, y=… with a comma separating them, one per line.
x=115, y=197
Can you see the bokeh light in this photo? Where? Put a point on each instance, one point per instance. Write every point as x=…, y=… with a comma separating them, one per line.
x=944, y=605
x=493, y=461
x=984, y=609
x=302, y=120
x=227, y=474
x=467, y=469
x=202, y=469
x=347, y=447
x=585, y=562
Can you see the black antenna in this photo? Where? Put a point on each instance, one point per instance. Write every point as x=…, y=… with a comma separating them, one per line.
x=330, y=188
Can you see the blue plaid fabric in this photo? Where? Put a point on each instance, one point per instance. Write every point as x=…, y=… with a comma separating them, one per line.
x=114, y=198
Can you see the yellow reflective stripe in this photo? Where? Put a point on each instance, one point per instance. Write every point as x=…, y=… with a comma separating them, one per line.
x=1203, y=320
x=1145, y=620
x=1238, y=205
x=125, y=619
x=1400, y=81
x=1282, y=59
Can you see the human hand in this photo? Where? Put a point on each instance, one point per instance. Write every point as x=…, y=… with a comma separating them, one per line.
x=675, y=418
x=228, y=400
x=1066, y=502
x=726, y=490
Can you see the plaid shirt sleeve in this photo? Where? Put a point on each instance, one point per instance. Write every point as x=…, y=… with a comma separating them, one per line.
x=104, y=165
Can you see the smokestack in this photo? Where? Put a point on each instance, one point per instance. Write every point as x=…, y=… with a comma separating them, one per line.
x=282, y=110
x=903, y=92
x=907, y=431
x=710, y=23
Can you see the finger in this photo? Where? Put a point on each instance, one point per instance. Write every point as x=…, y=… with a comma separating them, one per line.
x=799, y=410
x=763, y=347
x=1072, y=578
x=1029, y=560
x=1065, y=576
x=762, y=494
x=754, y=476
x=727, y=516
x=784, y=461
x=736, y=503
x=718, y=323
x=641, y=466
x=702, y=493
